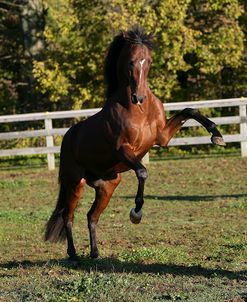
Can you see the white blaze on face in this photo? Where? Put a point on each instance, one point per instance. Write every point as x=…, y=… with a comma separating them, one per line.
x=141, y=63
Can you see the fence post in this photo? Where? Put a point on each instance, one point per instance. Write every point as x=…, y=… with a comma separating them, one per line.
x=50, y=143
x=145, y=159
x=243, y=129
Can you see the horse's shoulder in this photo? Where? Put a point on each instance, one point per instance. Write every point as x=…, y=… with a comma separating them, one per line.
x=157, y=109
x=157, y=102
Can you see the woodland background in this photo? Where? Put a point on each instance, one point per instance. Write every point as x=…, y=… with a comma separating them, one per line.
x=52, y=51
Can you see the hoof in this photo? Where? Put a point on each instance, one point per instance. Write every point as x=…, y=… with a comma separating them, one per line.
x=94, y=255
x=218, y=140
x=135, y=217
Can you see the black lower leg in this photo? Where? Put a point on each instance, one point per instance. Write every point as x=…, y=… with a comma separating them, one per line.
x=196, y=115
x=139, y=204
x=142, y=176
x=94, y=253
x=207, y=123
x=71, y=248
x=213, y=129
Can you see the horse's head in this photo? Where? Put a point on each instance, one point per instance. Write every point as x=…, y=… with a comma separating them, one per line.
x=137, y=68
x=127, y=63
x=134, y=63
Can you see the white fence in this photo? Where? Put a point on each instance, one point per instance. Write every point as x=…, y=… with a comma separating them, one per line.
x=49, y=131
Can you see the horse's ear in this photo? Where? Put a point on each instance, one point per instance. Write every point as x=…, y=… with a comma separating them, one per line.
x=151, y=37
x=150, y=40
x=124, y=34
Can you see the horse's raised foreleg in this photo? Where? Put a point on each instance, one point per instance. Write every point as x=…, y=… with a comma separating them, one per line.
x=104, y=190
x=176, y=122
x=68, y=216
x=128, y=157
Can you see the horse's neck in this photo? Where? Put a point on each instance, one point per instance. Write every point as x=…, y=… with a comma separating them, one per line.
x=123, y=96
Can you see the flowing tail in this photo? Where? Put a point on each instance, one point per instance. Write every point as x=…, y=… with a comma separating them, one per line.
x=55, y=228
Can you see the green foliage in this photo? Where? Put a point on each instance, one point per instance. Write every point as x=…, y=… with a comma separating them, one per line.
x=74, y=60
x=195, y=42
x=10, y=56
x=21, y=41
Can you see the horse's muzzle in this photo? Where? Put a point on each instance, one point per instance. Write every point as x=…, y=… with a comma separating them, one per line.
x=138, y=99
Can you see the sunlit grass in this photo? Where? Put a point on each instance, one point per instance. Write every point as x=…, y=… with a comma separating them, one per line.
x=191, y=244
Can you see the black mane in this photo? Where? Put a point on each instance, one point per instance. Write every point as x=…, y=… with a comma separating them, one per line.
x=136, y=35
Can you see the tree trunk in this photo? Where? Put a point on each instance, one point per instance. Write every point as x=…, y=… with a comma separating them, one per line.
x=32, y=23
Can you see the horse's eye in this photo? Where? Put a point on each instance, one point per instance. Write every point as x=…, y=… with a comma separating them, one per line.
x=131, y=64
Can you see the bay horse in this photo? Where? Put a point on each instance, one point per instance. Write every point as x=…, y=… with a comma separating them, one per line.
x=95, y=151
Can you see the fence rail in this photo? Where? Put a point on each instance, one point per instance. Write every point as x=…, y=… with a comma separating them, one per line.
x=49, y=131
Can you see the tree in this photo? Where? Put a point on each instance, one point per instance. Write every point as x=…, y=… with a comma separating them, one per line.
x=22, y=25
x=234, y=78
x=196, y=43
x=10, y=56
x=72, y=71
x=218, y=48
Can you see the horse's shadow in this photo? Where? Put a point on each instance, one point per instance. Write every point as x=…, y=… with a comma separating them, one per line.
x=194, y=198
x=113, y=265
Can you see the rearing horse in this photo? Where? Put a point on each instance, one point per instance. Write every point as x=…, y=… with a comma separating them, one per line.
x=114, y=140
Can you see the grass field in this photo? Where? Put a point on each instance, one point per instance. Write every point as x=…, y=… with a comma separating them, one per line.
x=190, y=246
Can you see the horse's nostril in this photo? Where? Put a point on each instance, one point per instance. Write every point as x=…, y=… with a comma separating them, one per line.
x=141, y=98
x=138, y=98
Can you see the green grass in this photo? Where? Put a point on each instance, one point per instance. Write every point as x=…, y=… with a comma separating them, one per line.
x=190, y=246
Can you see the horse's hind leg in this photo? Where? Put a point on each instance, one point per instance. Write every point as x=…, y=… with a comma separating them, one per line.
x=104, y=190
x=68, y=216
